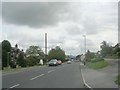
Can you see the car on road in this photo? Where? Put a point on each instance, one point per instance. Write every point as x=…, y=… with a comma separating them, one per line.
x=59, y=62
x=69, y=62
x=53, y=62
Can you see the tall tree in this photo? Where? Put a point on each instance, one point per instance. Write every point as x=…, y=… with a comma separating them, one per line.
x=6, y=47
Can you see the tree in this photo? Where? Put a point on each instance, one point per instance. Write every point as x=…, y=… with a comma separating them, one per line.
x=116, y=50
x=6, y=47
x=78, y=57
x=32, y=60
x=105, y=49
x=21, y=59
x=34, y=54
x=57, y=53
x=34, y=51
x=89, y=55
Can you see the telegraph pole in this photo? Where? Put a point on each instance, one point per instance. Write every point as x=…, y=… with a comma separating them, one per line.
x=45, y=47
x=46, y=43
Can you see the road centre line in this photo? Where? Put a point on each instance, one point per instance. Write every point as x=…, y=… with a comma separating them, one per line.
x=51, y=70
x=37, y=77
x=15, y=85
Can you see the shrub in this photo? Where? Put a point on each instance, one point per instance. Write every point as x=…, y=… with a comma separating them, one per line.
x=32, y=60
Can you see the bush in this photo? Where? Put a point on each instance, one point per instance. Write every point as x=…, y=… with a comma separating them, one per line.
x=32, y=60
x=21, y=60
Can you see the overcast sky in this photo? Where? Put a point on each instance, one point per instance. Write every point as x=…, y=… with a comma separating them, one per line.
x=25, y=23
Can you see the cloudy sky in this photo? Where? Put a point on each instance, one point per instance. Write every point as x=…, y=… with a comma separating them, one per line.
x=25, y=23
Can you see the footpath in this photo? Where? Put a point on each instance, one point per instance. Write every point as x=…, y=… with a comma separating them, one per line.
x=101, y=78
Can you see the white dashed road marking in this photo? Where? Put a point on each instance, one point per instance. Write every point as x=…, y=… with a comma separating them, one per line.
x=36, y=77
x=51, y=70
x=15, y=86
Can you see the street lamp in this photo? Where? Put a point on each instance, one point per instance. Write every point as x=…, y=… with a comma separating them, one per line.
x=85, y=47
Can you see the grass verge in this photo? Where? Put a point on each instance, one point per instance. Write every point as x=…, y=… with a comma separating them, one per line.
x=19, y=68
x=118, y=80
x=98, y=65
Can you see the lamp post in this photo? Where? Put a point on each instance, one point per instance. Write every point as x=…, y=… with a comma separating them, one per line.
x=85, y=48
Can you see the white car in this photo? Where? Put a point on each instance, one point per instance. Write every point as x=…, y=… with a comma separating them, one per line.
x=68, y=62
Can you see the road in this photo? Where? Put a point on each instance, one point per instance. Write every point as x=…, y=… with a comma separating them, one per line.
x=63, y=76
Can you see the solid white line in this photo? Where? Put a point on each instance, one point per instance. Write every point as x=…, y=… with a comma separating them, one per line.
x=36, y=77
x=84, y=80
x=15, y=85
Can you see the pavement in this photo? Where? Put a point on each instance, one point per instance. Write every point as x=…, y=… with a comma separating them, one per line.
x=102, y=78
x=62, y=76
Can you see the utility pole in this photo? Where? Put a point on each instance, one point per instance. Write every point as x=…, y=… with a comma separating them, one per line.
x=45, y=46
x=46, y=43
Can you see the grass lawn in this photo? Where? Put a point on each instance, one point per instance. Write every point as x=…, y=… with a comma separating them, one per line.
x=118, y=80
x=98, y=64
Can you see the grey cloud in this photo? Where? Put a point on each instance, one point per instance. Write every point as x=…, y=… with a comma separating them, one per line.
x=94, y=16
x=74, y=30
x=33, y=14
x=0, y=9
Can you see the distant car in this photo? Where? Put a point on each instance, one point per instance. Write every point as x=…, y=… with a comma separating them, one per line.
x=59, y=62
x=76, y=60
x=53, y=62
x=68, y=62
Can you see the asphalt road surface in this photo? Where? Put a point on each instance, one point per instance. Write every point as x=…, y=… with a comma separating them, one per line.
x=62, y=76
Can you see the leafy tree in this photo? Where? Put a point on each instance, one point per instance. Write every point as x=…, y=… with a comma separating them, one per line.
x=57, y=53
x=34, y=50
x=32, y=60
x=21, y=60
x=89, y=55
x=116, y=50
x=78, y=57
x=105, y=49
x=34, y=54
x=6, y=47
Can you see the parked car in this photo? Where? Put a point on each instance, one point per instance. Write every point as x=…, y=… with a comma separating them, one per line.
x=59, y=62
x=53, y=62
x=68, y=62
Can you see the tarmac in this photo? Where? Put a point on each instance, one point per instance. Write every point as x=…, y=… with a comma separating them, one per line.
x=101, y=78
